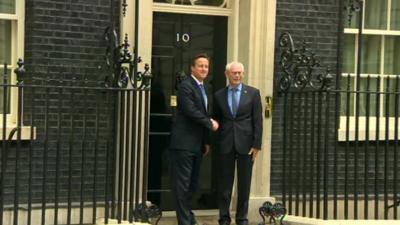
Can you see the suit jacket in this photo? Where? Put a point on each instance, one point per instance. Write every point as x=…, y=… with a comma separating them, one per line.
x=245, y=130
x=192, y=124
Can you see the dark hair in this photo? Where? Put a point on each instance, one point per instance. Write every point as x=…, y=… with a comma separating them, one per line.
x=201, y=55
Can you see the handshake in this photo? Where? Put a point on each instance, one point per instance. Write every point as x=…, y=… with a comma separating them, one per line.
x=215, y=124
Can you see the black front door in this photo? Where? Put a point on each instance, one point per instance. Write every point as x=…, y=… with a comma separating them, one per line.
x=176, y=39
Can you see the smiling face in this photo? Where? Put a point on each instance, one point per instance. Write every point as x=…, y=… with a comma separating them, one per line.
x=235, y=74
x=200, y=68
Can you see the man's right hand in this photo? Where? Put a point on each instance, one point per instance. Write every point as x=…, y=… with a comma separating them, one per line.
x=215, y=125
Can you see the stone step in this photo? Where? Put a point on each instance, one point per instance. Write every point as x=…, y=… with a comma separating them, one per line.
x=204, y=217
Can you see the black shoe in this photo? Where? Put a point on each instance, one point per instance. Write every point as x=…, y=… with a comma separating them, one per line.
x=242, y=222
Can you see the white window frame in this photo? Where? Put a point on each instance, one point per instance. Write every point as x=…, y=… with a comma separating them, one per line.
x=224, y=4
x=372, y=119
x=194, y=9
x=17, y=51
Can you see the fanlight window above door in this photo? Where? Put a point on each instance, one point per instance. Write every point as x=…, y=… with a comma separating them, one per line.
x=215, y=3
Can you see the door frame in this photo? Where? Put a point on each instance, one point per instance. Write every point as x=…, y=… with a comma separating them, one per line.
x=251, y=40
x=146, y=9
x=197, y=26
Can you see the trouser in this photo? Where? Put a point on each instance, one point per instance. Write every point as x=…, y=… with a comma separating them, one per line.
x=226, y=176
x=185, y=169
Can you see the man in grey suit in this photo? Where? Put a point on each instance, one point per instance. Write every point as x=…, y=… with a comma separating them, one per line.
x=238, y=110
x=190, y=138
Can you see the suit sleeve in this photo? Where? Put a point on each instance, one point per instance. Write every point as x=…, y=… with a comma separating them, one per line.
x=216, y=113
x=257, y=121
x=189, y=108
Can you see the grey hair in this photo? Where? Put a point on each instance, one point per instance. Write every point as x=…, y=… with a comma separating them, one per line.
x=229, y=65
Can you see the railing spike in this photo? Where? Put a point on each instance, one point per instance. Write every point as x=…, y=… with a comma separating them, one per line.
x=20, y=71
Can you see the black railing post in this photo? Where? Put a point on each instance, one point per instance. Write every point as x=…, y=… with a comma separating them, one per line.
x=139, y=207
x=396, y=144
x=312, y=153
x=298, y=153
x=326, y=152
x=136, y=106
x=146, y=82
x=58, y=155
x=70, y=155
x=134, y=160
x=319, y=153
x=120, y=153
x=306, y=156
x=20, y=72
x=339, y=56
x=347, y=149
x=96, y=155
x=4, y=144
x=366, y=149
x=45, y=151
x=83, y=155
x=127, y=153
x=109, y=158
x=284, y=146
x=377, y=148
x=30, y=157
x=396, y=201
x=386, y=151
x=290, y=151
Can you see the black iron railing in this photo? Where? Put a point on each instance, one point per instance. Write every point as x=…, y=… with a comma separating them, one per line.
x=74, y=150
x=339, y=145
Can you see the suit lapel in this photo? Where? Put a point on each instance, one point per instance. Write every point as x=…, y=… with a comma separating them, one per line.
x=243, y=98
x=226, y=107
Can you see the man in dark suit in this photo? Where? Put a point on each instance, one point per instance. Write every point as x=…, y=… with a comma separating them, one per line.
x=190, y=138
x=239, y=112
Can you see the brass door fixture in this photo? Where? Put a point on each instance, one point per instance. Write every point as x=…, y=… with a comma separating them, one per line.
x=268, y=107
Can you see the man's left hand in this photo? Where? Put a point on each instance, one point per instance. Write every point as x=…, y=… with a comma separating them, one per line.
x=254, y=152
x=206, y=149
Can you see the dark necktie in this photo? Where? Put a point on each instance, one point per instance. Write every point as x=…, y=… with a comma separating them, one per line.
x=234, y=101
x=203, y=93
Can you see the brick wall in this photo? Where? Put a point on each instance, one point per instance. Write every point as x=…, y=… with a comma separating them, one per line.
x=66, y=32
x=316, y=22
x=64, y=41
